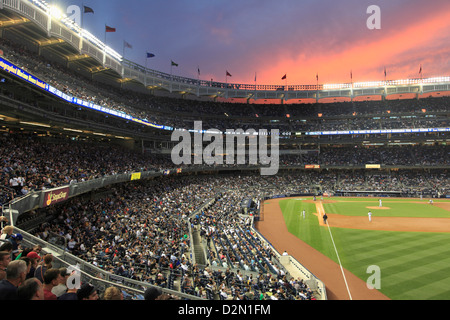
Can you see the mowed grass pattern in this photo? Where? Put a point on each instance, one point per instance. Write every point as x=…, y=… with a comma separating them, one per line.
x=413, y=265
x=397, y=208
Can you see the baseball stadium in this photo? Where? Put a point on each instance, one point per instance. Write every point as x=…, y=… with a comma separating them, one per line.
x=358, y=209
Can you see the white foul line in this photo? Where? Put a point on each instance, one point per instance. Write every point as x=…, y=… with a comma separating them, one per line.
x=340, y=264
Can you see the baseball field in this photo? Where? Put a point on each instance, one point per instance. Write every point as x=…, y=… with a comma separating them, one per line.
x=404, y=251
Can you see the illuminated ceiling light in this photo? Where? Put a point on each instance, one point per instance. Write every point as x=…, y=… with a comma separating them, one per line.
x=73, y=130
x=35, y=124
x=99, y=134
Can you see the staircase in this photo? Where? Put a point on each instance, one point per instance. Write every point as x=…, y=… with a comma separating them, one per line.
x=199, y=252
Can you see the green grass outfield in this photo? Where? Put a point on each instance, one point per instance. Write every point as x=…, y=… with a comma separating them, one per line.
x=413, y=265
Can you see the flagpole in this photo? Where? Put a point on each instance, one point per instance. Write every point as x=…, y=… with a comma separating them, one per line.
x=351, y=78
x=255, y=87
x=317, y=87
x=198, y=80
x=421, y=81
x=146, y=62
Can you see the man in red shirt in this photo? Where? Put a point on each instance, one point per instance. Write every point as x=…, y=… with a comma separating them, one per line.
x=52, y=277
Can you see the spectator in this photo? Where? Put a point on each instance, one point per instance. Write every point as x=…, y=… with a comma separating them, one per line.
x=16, y=240
x=61, y=288
x=52, y=277
x=152, y=293
x=113, y=293
x=44, y=266
x=29, y=264
x=31, y=289
x=70, y=294
x=35, y=259
x=36, y=249
x=7, y=232
x=15, y=275
x=87, y=292
x=6, y=246
x=5, y=259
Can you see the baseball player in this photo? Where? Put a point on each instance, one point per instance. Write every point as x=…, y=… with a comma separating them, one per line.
x=370, y=216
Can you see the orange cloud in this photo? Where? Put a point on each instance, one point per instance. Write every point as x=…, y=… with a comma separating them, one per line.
x=402, y=50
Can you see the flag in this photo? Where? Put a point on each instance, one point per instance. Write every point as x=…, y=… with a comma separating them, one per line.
x=198, y=70
x=317, y=76
x=420, y=71
x=88, y=10
x=351, y=75
x=228, y=74
x=284, y=77
x=150, y=55
x=173, y=63
x=127, y=45
x=109, y=29
x=385, y=73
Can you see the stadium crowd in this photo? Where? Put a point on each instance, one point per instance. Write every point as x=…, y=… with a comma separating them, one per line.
x=142, y=231
x=28, y=162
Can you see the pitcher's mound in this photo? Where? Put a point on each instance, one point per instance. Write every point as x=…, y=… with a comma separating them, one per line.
x=378, y=208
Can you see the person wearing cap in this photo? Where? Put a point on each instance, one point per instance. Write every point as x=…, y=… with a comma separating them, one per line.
x=87, y=292
x=16, y=239
x=35, y=259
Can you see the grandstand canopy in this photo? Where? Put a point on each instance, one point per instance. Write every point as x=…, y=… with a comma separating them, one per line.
x=61, y=40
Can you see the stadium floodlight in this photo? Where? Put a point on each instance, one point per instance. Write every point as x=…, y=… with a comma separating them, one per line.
x=55, y=12
x=336, y=86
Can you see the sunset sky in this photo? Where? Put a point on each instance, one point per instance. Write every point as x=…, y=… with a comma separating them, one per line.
x=300, y=38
